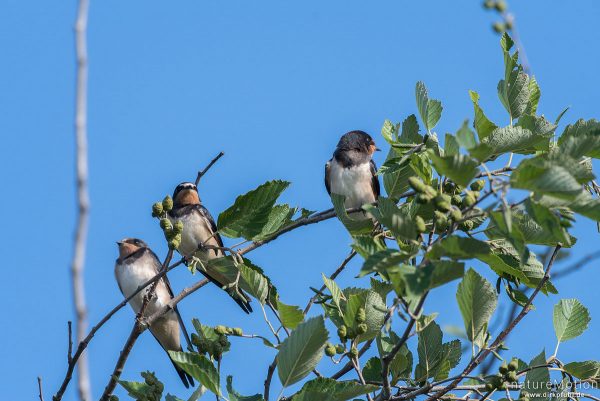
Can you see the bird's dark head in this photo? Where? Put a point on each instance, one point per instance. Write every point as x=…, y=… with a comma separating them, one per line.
x=128, y=246
x=358, y=141
x=185, y=193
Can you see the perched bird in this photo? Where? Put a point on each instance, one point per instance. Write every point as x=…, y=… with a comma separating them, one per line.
x=198, y=235
x=351, y=171
x=136, y=265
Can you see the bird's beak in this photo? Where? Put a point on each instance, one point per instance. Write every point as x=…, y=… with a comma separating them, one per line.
x=377, y=149
x=119, y=243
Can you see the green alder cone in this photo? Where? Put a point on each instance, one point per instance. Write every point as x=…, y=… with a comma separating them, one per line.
x=157, y=209
x=420, y=224
x=416, y=184
x=221, y=330
x=167, y=203
x=165, y=224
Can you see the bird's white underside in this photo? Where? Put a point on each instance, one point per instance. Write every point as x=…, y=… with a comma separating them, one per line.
x=131, y=276
x=352, y=182
x=195, y=231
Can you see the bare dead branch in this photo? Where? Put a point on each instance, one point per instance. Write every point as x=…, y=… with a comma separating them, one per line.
x=40, y=392
x=213, y=161
x=77, y=265
x=70, y=349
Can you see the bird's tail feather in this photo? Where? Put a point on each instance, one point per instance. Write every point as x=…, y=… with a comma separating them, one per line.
x=187, y=380
x=241, y=298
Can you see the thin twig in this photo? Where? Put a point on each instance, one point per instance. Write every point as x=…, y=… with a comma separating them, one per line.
x=332, y=277
x=40, y=392
x=270, y=372
x=484, y=352
x=70, y=349
x=213, y=161
x=81, y=231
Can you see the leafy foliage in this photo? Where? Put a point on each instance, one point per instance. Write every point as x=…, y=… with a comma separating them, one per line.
x=445, y=208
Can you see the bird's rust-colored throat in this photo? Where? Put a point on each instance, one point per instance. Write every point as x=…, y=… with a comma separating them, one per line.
x=126, y=249
x=187, y=197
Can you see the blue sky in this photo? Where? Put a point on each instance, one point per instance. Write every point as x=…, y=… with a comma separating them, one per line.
x=272, y=84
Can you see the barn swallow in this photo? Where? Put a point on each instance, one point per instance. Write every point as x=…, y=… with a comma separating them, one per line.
x=136, y=265
x=200, y=231
x=351, y=172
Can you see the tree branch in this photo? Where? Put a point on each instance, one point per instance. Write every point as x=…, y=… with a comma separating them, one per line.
x=40, y=392
x=484, y=352
x=213, y=161
x=77, y=264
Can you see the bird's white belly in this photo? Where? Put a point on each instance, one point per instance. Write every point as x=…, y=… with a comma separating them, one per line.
x=131, y=277
x=353, y=182
x=195, y=232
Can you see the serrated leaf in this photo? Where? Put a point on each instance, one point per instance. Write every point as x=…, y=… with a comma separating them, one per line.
x=435, y=359
x=250, y=212
x=235, y=396
x=301, y=351
x=410, y=131
x=382, y=261
x=291, y=316
x=336, y=293
x=280, y=216
x=534, y=97
x=372, y=370
x=570, y=319
x=510, y=139
x=459, y=168
x=482, y=124
x=514, y=93
x=389, y=131
x=257, y=284
x=325, y=389
x=543, y=177
x=355, y=225
x=430, y=110
x=581, y=139
x=465, y=136
x=394, y=218
x=199, y=367
x=586, y=370
x=149, y=390
x=477, y=300
x=536, y=385
x=375, y=310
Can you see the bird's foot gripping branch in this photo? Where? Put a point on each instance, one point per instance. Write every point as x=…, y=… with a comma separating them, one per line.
x=445, y=207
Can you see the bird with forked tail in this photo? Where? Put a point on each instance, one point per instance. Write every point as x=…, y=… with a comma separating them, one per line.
x=136, y=265
x=200, y=239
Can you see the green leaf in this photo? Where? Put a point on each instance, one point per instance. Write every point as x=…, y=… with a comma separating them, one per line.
x=534, y=97
x=435, y=359
x=482, y=124
x=301, y=351
x=372, y=370
x=570, y=319
x=394, y=218
x=325, y=389
x=429, y=109
x=336, y=292
x=291, y=316
x=477, y=300
x=396, y=175
x=536, y=385
x=510, y=139
x=514, y=93
x=459, y=168
x=544, y=177
x=465, y=136
x=355, y=224
x=235, y=396
x=382, y=261
x=451, y=146
x=375, y=311
x=199, y=367
x=250, y=212
x=150, y=390
x=257, y=284
x=410, y=131
x=581, y=139
x=389, y=131
x=280, y=216
x=587, y=370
